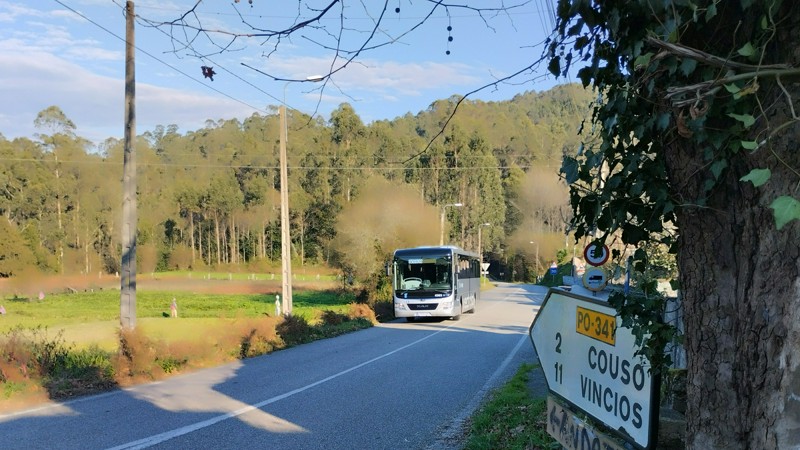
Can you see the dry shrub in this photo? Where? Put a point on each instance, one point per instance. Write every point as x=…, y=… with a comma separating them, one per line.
x=294, y=330
x=144, y=358
x=18, y=372
x=361, y=310
x=332, y=318
x=33, y=364
x=136, y=357
x=256, y=337
x=16, y=357
x=141, y=358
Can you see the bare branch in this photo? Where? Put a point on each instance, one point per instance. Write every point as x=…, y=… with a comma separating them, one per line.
x=716, y=61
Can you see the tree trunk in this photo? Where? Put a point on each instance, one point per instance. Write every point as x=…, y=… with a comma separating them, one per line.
x=740, y=280
x=191, y=234
x=232, y=250
x=200, y=241
x=217, y=238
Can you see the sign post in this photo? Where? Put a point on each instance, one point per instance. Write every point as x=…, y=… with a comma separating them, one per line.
x=589, y=361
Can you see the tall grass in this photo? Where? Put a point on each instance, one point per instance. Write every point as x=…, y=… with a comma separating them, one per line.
x=511, y=418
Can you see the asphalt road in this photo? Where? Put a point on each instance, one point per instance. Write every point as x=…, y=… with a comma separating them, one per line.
x=395, y=386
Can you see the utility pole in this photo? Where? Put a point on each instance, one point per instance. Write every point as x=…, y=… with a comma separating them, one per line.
x=127, y=303
x=286, y=243
x=480, y=248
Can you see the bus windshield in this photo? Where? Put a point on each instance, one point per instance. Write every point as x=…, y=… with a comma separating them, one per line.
x=420, y=272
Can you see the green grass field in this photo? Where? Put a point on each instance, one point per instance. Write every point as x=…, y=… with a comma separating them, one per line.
x=86, y=318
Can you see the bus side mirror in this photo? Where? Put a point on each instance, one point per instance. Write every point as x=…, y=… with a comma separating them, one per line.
x=388, y=269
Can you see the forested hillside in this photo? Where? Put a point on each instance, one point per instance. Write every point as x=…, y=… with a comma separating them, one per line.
x=210, y=197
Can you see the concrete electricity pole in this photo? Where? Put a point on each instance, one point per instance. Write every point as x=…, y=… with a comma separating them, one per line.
x=127, y=303
x=286, y=238
x=286, y=242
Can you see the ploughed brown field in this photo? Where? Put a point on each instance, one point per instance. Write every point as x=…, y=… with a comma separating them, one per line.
x=199, y=283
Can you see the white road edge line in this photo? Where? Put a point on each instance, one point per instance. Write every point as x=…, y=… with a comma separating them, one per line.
x=455, y=427
x=162, y=437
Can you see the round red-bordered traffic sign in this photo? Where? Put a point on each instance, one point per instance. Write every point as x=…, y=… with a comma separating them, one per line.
x=591, y=259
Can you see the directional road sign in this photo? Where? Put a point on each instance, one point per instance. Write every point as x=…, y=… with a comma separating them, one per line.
x=588, y=361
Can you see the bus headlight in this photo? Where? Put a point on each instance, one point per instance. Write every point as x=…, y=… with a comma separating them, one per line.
x=447, y=305
x=400, y=306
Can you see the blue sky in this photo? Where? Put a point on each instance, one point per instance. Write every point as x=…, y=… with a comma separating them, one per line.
x=51, y=54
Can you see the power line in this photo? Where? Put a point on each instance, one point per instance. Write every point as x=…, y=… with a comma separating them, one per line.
x=269, y=167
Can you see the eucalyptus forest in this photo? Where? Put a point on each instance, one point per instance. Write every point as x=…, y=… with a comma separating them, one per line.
x=209, y=198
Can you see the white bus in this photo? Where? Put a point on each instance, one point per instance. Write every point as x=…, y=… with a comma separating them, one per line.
x=435, y=282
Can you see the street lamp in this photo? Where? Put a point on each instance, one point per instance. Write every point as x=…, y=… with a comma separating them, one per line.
x=441, y=221
x=537, y=257
x=286, y=243
x=480, y=248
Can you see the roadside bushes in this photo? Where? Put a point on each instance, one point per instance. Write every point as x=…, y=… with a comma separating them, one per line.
x=34, y=364
x=257, y=337
x=377, y=294
x=293, y=330
x=30, y=360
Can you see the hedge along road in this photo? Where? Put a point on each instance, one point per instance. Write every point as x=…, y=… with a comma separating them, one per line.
x=397, y=385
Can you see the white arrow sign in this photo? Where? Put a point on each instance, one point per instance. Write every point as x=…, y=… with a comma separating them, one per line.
x=588, y=361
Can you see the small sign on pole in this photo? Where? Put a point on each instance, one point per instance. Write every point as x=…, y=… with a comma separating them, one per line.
x=596, y=255
x=595, y=279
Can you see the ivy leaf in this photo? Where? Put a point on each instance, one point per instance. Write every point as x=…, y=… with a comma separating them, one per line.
x=747, y=50
x=570, y=170
x=643, y=60
x=717, y=167
x=585, y=74
x=750, y=145
x=757, y=176
x=785, y=209
x=663, y=121
x=555, y=66
x=632, y=234
x=732, y=88
x=747, y=119
x=687, y=66
x=711, y=11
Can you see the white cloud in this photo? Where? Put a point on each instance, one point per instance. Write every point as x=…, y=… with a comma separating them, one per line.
x=11, y=12
x=386, y=78
x=35, y=81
